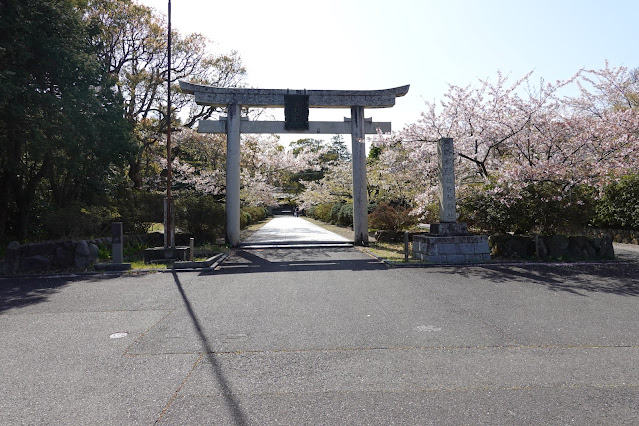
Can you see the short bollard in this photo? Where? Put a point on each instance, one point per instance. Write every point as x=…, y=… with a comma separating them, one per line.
x=117, y=236
x=406, y=247
x=191, y=248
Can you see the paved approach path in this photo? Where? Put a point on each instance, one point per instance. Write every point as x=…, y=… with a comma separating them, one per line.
x=323, y=336
x=290, y=230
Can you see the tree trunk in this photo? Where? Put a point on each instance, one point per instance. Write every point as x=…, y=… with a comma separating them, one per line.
x=5, y=196
x=134, y=174
x=24, y=193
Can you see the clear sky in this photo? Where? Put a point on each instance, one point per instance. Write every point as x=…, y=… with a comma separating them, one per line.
x=378, y=44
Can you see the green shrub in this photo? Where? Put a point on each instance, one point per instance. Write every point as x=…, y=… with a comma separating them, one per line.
x=257, y=213
x=541, y=207
x=139, y=209
x=619, y=206
x=323, y=212
x=310, y=212
x=390, y=218
x=105, y=252
x=80, y=220
x=245, y=219
x=133, y=249
x=201, y=216
x=335, y=209
x=345, y=215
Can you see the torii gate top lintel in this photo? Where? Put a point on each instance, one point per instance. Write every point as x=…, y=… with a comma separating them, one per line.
x=296, y=104
x=274, y=98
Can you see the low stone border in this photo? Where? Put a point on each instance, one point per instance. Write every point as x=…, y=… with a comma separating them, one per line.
x=552, y=247
x=198, y=264
x=112, y=267
x=625, y=236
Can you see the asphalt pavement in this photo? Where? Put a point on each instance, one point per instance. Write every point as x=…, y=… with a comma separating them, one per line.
x=324, y=335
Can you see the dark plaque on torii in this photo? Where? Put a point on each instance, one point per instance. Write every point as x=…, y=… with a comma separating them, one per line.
x=296, y=112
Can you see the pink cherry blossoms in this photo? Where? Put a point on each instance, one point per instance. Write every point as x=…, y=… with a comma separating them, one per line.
x=513, y=135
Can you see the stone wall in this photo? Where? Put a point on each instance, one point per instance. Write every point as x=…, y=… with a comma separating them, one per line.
x=552, y=247
x=626, y=236
x=49, y=256
x=69, y=255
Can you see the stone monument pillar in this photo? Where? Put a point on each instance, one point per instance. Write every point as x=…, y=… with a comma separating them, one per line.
x=117, y=237
x=449, y=240
x=117, y=252
x=447, y=203
x=446, y=157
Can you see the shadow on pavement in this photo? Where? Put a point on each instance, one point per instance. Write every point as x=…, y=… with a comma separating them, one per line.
x=18, y=292
x=231, y=401
x=613, y=278
x=307, y=259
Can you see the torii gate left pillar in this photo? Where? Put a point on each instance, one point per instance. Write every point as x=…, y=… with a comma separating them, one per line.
x=296, y=104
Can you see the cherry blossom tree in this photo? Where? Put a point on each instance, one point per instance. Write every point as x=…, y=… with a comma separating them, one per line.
x=336, y=186
x=510, y=137
x=199, y=166
x=267, y=167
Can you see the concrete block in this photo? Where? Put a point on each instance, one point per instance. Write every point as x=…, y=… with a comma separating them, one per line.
x=450, y=248
x=456, y=228
x=456, y=258
x=466, y=248
x=473, y=258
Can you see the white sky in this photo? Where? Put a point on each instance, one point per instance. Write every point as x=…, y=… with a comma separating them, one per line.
x=379, y=44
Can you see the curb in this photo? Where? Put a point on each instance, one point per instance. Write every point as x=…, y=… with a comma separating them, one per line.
x=215, y=262
x=391, y=264
x=207, y=265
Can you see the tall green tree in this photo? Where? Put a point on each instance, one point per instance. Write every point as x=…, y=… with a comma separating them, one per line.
x=131, y=40
x=339, y=148
x=61, y=127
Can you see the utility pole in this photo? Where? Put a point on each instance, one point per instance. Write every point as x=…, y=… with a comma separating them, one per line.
x=169, y=241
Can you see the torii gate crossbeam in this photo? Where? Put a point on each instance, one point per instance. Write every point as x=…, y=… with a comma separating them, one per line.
x=296, y=104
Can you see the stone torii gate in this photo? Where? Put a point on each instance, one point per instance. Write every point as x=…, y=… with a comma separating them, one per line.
x=296, y=104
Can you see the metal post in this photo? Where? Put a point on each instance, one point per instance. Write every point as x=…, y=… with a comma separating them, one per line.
x=233, y=175
x=360, y=190
x=406, y=247
x=169, y=240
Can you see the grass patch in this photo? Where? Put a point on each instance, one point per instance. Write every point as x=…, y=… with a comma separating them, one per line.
x=156, y=227
x=392, y=252
x=139, y=264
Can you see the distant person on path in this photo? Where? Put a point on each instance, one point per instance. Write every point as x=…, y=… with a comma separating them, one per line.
x=296, y=211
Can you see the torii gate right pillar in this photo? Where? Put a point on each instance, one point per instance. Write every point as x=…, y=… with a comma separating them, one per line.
x=233, y=175
x=360, y=186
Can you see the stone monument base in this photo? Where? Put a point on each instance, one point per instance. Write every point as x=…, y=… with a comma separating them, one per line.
x=451, y=243
x=162, y=253
x=112, y=267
